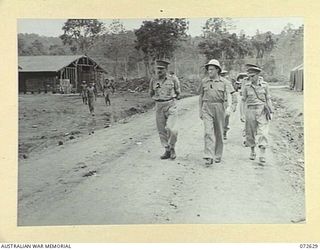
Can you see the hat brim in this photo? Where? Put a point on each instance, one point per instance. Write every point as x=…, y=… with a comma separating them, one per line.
x=207, y=65
x=253, y=73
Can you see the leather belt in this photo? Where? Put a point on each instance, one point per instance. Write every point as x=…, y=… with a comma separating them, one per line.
x=164, y=100
x=257, y=106
x=209, y=102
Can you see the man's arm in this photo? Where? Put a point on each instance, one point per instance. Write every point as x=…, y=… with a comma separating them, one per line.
x=177, y=87
x=268, y=98
x=227, y=88
x=234, y=97
x=201, y=92
x=243, y=103
x=151, y=90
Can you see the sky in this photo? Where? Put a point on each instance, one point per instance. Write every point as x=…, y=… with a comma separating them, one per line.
x=52, y=27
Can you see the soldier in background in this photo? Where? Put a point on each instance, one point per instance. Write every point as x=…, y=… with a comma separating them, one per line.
x=242, y=78
x=84, y=92
x=234, y=97
x=108, y=88
x=165, y=89
x=91, y=93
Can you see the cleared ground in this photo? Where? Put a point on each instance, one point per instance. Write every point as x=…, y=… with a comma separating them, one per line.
x=115, y=176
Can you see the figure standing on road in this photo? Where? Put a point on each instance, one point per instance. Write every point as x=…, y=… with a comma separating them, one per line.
x=213, y=93
x=165, y=89
x=108, y=88
x=234, y=97
x=92, y=97
x=258, y=113
x=83, y=92
x=240, y=82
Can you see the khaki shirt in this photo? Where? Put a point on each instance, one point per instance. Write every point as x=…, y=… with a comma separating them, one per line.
x=108, y=88
x=164, y=89
x=214, y=90
x=249, y=96
x=91, y=92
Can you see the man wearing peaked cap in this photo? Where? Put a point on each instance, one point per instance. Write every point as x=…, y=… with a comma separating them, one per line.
x=165, y=89
x=253, y=70
x=162, y=63
x=249, y=65
x=258, y=108
x=224, y=73
x=234, y=96
x=213, y=93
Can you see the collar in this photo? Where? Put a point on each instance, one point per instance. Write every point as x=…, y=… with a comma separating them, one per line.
x=218, y=79
x=163, y=79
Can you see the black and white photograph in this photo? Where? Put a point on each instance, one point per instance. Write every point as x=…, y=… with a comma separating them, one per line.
x=160, y=121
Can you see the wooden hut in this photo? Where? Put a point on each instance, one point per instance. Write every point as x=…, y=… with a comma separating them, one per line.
x=57, y=73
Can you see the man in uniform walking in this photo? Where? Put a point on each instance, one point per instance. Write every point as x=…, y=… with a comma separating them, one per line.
x=92, y=96
x=213, y=93
x=83, y=92
x=108, y=88
x=165, y=89
x=234, y=97
x=242, y=78
x=258, y=113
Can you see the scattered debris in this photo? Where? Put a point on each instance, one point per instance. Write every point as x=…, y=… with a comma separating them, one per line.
x=71, y=137
x=90, y=173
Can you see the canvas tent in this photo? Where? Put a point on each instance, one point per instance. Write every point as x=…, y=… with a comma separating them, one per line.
x=51, y=73
x=296, y=78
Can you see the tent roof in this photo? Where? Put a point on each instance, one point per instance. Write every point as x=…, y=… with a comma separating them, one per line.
x=48, y=63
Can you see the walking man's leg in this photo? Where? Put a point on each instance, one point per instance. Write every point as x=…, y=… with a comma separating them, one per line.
x=161, y=126
x=172, y=131
x=208, y=136
x=219, y=116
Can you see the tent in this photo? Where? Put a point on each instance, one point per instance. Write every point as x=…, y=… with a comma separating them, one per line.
x=296, y=78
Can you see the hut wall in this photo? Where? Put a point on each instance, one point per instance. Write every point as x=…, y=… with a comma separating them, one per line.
x=37, y=81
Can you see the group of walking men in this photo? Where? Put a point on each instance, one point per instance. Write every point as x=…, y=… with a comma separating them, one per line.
x=89, y=93
x=218, y=98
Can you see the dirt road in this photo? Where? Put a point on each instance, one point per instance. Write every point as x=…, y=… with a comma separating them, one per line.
x=115, y=176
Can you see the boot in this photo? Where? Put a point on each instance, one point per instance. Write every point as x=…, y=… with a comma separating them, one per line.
x=166, y=155
x=172, y=154
x=224, y=135
x=217, y=160
x=208, y=161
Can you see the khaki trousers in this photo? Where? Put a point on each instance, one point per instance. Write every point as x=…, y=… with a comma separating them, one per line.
x=257, y=126
x=213, y=115
x=91, y=104
x=166, y=118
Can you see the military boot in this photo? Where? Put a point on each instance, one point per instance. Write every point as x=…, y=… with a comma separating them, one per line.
x=166, y=155
x=224, y=135
x=172, y=154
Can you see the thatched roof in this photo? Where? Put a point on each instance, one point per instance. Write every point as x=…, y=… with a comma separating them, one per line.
x=49, y=63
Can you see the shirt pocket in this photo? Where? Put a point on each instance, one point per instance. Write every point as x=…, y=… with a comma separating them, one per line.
x=220, y=88
x=262, y=94
x=168, y=85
